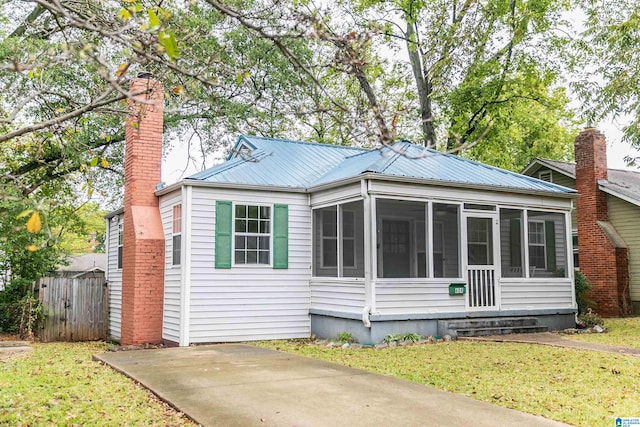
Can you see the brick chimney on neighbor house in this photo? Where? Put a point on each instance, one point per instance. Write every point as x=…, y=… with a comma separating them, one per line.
x=143, y=246
x=603, y=254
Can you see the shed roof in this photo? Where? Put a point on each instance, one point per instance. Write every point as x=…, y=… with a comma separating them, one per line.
x=295, y=164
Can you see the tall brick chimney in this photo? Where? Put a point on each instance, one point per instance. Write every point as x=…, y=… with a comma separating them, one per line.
x=143, y=246
x=603, y=257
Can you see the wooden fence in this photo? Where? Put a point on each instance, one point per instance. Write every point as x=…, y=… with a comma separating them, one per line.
x=74, y=309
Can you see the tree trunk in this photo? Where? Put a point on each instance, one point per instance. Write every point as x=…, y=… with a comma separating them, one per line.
x=424, y=88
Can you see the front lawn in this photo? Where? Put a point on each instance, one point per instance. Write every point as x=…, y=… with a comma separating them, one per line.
x=577, y=387
x=622, y=331
x=59, y=384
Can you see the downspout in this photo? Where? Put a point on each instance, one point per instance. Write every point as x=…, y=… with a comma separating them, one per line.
x=185, y=267
x=368, y=250
x=106, y=248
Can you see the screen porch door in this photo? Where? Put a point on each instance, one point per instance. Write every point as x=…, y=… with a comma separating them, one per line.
x=482, y=257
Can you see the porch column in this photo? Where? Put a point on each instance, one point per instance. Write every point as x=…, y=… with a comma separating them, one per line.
x=369, y=253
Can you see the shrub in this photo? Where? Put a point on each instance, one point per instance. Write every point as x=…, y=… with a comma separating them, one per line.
x=582, y=288
x=345, y=337
x=590, y=319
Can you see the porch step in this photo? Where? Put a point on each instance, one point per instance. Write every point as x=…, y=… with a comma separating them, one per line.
x=481, y=332
x=489, y=326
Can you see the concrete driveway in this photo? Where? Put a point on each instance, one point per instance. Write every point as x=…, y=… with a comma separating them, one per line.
x=242, y=385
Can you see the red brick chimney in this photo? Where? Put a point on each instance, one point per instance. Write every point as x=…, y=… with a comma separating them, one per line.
x=603, y=260
x=143, y=246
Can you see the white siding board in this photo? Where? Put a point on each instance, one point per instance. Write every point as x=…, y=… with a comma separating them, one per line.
x=341, y=296
x=115, y=280
x=416, y=297
x=248, y=303
x=536, y=294
x=172, y=274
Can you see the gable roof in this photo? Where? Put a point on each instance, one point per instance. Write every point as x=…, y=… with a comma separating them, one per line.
x=624, y=184
x=303, y=165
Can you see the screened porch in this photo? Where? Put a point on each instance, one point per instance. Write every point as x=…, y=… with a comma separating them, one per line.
x=414, y=250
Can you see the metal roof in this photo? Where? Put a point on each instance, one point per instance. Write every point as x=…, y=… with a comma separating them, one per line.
x=282, y=163
x=276, y=162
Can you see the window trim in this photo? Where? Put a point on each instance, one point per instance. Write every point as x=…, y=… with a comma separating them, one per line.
x=330, y=238
x=543, y=244
x=234, y=233
x=120, y=245
x=350, y=238
x=176, y=223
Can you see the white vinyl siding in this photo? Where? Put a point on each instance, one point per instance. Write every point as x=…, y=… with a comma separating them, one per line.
x=248, y=302
x=624, y=217
x=338, y=295
x=172, y=273
x=520, y=294
x=416, y=296
x=114, y=275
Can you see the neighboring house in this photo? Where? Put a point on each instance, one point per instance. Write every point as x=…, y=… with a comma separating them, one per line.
x=288, y=239
x=83, y=266
x=606, y=232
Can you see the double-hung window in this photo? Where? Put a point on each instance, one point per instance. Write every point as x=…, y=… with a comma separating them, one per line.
x=177, y=234
x=252, y=234
x=120, y=240
x=537, y=247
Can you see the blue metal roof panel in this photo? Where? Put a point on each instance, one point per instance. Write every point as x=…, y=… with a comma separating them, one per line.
x=404, y=159
x=295, y=164
x=278, y=162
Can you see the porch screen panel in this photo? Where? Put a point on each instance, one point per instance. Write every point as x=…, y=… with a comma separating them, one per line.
x=511, y=243
x=401, y=238
x=547, y=244
x=325, y=242
x=352, y=239
x=446, y=240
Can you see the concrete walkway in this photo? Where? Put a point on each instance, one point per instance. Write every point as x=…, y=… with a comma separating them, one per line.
x=242, y=385
x=557, y=340
x=13, y=348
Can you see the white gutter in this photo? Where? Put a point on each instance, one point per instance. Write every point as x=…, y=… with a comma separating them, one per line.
x=435, y=182
x=230, y=185
x=106, y=247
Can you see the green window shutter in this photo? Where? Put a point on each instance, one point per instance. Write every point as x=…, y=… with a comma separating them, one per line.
x=281, y=236
x=223, y=234
x=550, y=238
x=515, y=243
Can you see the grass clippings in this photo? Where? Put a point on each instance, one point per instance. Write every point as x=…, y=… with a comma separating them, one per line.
x=622, y=331
x=58, y=384
x=577, y=387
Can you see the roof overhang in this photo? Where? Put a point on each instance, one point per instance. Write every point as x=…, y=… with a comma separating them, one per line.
x=613, y=192
x=358, y=178
x=227, y=185
x=410, y=180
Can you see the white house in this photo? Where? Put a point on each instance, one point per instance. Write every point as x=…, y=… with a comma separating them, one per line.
x=287, y=239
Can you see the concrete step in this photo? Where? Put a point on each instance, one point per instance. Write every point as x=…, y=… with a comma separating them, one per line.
x=490, y=322
x=479, y=332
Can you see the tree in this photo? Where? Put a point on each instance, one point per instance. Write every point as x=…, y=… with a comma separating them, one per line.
x=606, y=59
x=474, y=72
x=274, y=68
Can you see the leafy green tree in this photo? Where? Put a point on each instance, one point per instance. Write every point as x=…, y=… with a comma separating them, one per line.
x=606, y=59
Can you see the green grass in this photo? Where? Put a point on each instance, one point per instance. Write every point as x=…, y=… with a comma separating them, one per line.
x=59, y=384
x=624, y=332
x=577, y=387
